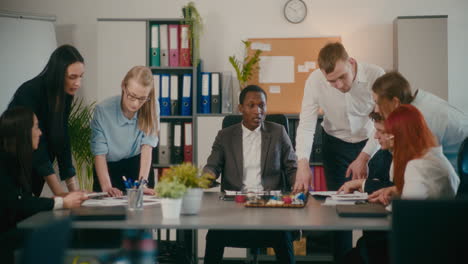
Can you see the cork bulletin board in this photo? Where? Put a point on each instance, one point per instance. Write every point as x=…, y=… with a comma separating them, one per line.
x=285, y=65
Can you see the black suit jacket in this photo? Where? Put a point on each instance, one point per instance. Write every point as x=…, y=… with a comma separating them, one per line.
x=278, y=160
x=379, y=172
x=33, y=95
x=16, y=204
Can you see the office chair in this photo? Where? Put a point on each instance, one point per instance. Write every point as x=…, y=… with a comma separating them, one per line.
x=48, y=244
x=429, y=231
x=462, y=166
x=235, y=119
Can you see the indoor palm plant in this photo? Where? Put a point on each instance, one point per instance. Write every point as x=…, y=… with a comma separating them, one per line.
x=80, y=136
x=194, y=180
x=246, y=67
x=192, y=17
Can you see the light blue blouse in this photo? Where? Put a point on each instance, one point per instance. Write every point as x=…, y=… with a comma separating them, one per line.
x=115, y=135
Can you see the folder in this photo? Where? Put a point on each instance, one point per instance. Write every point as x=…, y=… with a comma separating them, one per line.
x=188, y=142
x=164, y=45
x=157, y=85
x=164, y=99
x=154, y=49
x=184, y=56
x=174, y=95
x=215, y=93
x=226, y=91
x=174, y=45
x=164, y=153
x=187, y=95
x=205, y=94
x=177, y=150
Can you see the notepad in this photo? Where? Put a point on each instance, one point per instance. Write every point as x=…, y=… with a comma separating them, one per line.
x=99, y=213
x=362, y=210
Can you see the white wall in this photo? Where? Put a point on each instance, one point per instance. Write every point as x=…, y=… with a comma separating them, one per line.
x=364, y=25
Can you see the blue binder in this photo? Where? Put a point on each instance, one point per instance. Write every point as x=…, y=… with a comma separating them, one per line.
x=165, y=96
x=187, y=95
x=205, y=93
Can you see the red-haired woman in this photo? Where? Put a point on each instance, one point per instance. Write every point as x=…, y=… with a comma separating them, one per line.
x=419, y=169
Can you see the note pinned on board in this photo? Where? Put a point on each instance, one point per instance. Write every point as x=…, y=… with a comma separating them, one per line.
x=261, y=46
x=276, y=69
x=310, y=65
x=275, y=89
x=302, y=68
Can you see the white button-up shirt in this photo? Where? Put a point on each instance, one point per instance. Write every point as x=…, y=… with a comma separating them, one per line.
x=346, y=115
x=251, y=148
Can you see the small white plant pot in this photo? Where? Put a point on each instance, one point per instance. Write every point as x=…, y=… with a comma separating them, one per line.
x=192, y=200
x=171, y=207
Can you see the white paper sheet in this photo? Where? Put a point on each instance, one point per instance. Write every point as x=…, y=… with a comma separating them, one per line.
x=119, y=201
x=275, y=89
x=261, y=46
x=302, y=68
x=276, y=69
x=310, y=65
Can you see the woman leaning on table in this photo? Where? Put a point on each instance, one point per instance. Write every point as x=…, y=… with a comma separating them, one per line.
x=49, y=95
x=124, y=133
x=19, y=137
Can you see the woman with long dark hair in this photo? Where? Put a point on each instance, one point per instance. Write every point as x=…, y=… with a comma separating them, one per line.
x=19, y=137
x=49, y=95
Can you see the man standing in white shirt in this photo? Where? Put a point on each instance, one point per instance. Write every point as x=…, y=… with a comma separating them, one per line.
x=342, y=89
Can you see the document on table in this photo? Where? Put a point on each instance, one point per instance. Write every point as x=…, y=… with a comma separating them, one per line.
x=118, y=201
x=334, y=198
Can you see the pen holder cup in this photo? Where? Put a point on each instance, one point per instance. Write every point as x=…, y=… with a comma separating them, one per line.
x=135, y=199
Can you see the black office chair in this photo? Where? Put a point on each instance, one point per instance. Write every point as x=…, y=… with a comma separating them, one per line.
x=429, y=231
x=235, y=119
x=462, y=164
x=48, y=244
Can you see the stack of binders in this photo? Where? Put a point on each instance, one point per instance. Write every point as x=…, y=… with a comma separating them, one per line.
x=171, y=101
x=215, y=93
x=175, y=143
x=170, y=45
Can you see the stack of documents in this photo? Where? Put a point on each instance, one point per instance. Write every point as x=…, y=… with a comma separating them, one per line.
x=334, y=198
x=118, y=201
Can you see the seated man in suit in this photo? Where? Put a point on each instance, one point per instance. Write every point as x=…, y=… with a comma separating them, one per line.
x=257, y=155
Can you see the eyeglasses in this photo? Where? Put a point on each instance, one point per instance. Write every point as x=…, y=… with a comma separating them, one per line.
x=133, y=98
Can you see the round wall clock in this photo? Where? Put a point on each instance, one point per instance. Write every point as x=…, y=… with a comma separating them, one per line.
x=295, y=11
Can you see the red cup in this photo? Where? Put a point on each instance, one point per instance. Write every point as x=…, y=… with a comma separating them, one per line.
x=240, y=198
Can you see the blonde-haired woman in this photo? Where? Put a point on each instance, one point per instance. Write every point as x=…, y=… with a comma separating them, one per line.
x=124, y=133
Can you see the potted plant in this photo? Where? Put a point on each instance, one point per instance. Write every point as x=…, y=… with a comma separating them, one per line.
x=246, y=67
x=192, y=17
x=80, y=136
x=194, y=180
x=171, y=191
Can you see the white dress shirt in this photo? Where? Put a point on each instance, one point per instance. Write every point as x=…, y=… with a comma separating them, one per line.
x=346, y=115
x=251, y=148
x=429, y=177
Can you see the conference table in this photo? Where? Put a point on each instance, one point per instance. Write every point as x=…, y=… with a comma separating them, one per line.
x=219, y=214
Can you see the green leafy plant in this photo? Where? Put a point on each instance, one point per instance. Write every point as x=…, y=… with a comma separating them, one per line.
x=246, y=67
x=192, y=17
x=189, y=175
x=168, y=188
x=79, y=131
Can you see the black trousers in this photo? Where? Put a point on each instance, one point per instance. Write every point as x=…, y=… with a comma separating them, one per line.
x=280, y=241
x=130, y=168
x=337, y=155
